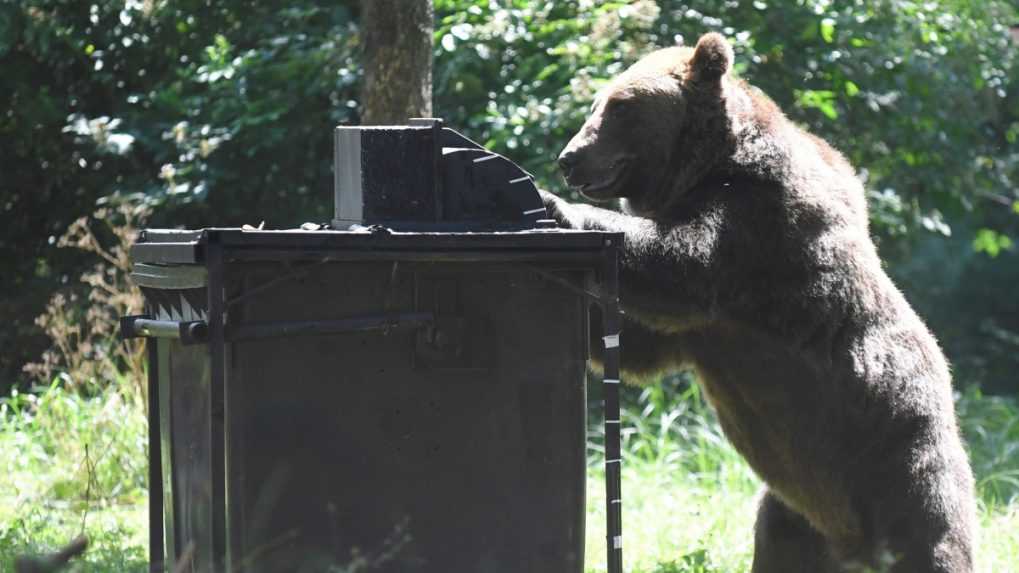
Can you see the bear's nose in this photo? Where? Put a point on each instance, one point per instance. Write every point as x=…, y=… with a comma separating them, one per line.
x=567, y=160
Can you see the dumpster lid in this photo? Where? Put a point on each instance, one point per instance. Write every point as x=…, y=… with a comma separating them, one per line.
x=173, y=246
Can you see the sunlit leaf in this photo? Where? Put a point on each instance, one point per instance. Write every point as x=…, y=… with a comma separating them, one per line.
x=821, y=100
x=828, y=30
x=991, y=242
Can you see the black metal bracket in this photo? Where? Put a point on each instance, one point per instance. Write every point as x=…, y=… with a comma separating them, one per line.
x=144, y=326
x=384, y=322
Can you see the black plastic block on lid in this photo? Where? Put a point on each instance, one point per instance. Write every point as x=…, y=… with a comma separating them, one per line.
x=425, y=176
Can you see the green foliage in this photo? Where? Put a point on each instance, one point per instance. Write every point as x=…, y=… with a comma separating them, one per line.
x=73, y=464
x=965, y=297
x=84, y=346
x=670, y=426
x=217, y=115
x=920, y=96
x=114, y=543
x=991, y=242
x=519, y=76
x=252, y=138
x=991, y=427
x=697, y=561
x=88, y=447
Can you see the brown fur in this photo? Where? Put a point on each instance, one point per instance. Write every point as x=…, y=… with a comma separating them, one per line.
x=748, y=258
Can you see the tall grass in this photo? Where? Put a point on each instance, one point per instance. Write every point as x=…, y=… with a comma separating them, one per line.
x=73, y=451
x=990, y=425
x=82, y=320
x=689, y=500
x=73, y=462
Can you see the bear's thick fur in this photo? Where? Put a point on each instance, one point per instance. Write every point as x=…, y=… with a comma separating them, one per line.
x=748, y=258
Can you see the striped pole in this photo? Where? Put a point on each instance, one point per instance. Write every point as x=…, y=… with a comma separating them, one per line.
x=610, y=393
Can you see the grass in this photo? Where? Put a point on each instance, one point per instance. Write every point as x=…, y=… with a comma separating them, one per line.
x=689, y=500
x=73, y=462
x=673, y=524
x=677, y=525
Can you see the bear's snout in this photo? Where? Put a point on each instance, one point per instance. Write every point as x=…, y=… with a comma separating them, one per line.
x=575, y=166
x=593, y=176
x=567, y=160
x=595, y=162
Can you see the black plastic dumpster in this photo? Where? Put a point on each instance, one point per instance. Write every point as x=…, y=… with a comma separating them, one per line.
x=409, y=393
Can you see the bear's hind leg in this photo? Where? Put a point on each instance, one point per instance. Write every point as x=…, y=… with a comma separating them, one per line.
x=932, y=529
x=933, y=548
x=784, y=542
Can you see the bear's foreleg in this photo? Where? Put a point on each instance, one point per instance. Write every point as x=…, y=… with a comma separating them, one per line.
x=665, y=271
x=646, y=353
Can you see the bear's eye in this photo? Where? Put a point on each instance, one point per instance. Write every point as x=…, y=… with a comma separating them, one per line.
x=620, y=106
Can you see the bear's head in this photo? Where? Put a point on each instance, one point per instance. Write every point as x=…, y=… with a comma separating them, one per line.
x=656, y=129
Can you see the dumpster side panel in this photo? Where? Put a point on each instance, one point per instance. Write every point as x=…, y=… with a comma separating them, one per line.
x=184, y=390
x=460, y=449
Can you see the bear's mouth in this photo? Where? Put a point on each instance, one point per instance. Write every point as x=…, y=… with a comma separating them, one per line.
x=605, y=187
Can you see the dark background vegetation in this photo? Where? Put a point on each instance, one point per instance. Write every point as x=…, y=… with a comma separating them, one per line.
x=220, y=113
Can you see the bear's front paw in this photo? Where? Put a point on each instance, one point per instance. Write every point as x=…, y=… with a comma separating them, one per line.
x=556, y=209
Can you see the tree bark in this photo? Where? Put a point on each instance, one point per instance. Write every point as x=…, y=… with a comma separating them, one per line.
x=396, y=37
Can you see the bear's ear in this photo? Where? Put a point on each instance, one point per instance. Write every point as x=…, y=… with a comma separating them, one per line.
x=711, y=59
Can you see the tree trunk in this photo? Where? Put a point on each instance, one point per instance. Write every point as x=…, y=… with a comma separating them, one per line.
x=396, y=38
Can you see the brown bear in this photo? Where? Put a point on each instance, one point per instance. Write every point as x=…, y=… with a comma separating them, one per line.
x=748, y=259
